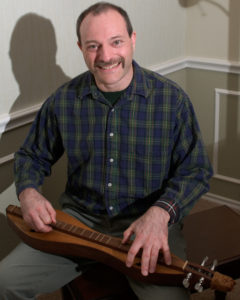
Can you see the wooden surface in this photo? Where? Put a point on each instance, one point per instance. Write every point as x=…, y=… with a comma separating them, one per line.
x=214, y=233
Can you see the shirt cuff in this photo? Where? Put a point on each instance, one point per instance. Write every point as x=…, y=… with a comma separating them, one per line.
x=171, y=207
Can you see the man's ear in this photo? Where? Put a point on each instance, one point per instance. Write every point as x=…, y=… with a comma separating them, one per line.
x=133, y=38
x=79, y=45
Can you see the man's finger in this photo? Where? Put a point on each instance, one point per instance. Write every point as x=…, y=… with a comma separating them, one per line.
x=127, y=234
x=153, y=259
x=132, y=253
x=146, y=255
x=52, y=213
x=45, y=218
x=167, y=255
x=39, y=226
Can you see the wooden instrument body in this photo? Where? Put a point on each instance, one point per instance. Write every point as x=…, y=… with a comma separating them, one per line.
x=61, y=243
x=72, y=238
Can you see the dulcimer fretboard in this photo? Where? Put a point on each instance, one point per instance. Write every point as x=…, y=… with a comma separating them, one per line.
x=86, y=234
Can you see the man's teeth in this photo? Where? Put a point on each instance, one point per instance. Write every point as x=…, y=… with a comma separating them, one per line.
x=109, y=67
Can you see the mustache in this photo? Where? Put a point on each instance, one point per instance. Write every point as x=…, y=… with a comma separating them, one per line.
x=102, y=63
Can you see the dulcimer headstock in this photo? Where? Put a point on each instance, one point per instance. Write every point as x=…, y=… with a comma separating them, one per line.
x=199, y=277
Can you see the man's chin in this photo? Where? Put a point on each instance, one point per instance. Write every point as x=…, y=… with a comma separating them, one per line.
x=109, y=76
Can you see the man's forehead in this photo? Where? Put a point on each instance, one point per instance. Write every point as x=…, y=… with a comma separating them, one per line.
x=102, y=20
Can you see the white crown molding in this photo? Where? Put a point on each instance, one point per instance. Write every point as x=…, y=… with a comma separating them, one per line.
x=170, y=66
x=197, y=63
x=4, y=119
x=19, y=118
x=15, y=120
x=214, y=65
x=6, y=159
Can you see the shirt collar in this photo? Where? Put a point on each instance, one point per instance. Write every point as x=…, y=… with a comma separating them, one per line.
x=139, y=84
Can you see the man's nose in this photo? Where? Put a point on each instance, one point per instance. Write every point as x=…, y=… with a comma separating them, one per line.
x=105, y=53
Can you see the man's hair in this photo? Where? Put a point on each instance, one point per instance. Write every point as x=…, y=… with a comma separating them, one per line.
x=97, y=9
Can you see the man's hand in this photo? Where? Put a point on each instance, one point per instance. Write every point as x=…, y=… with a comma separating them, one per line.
x=151, y=232
x=37, y=211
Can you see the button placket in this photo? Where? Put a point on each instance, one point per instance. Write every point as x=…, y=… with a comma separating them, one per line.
x=110, y=159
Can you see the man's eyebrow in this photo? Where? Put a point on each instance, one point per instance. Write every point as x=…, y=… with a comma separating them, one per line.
x=91, y=41
x=116, y=37
x=96, y=42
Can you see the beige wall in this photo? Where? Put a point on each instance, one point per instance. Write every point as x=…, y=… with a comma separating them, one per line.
x=213, y=29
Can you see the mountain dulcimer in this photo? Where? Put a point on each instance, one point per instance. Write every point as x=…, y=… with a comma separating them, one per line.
x=70, y=237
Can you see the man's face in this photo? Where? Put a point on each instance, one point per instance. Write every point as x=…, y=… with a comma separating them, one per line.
x=108, y=50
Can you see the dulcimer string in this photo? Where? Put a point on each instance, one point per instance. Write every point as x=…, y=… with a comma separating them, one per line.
x=116, y=243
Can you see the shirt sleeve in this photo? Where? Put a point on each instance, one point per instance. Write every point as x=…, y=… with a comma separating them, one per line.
x=190, y=168
x=41, y=149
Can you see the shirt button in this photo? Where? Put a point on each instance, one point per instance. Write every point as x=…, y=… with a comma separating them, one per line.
x=112, y=110
x=109, y=184
x=111, y=134
x=111, y=207
x=111, y=160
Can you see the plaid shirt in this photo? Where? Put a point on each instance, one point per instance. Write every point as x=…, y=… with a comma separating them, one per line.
x=146, y=150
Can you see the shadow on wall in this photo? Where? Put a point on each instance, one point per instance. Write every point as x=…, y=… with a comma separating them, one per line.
x=189, y=3
x=33, y=55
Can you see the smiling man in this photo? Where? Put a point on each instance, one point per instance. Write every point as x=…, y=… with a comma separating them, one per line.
x=136, y=161
x=108, y=48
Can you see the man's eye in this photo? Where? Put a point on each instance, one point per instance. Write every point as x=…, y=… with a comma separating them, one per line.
x=92, y=47
x=117, y=42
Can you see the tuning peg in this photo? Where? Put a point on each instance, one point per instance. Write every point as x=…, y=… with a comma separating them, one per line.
x=198, y=286
x=214, y=265
x=186, y=280
x=204, y=261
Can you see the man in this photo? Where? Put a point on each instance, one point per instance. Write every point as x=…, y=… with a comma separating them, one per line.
x=136, y=161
